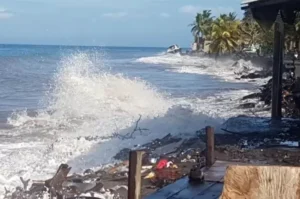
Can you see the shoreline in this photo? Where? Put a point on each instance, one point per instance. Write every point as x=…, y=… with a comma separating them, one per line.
x=268, y=148
x=226, y=150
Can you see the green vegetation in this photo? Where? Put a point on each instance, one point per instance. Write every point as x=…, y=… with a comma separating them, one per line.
x=228, y=34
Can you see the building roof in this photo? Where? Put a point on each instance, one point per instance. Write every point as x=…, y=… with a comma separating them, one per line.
x=248, y=1
x=266, y=11
x=259, y=3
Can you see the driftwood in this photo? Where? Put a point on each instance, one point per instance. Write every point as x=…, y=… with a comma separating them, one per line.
x=55, y=184
x=130, y=135
x=261, y=182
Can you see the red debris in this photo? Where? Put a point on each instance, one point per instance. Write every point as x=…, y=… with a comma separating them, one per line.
x=161, y=164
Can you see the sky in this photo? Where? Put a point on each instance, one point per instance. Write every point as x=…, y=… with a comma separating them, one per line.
x=145, y=23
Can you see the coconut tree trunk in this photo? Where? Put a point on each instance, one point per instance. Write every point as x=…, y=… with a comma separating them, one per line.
x=198, y=43
x=291, y=45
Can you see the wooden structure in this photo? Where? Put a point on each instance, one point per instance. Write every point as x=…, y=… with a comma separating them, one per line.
x=135, y=174
x=135, y=167
x=183, y=189
x=232, y=180
x=266, y=13
x=210, y=146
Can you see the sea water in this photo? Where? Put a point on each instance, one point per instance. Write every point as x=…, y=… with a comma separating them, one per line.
x=63, y=104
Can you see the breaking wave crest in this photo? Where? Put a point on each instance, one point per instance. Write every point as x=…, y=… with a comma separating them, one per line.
x=83, y=92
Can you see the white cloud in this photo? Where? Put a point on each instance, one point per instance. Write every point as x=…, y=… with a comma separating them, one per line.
x=165, y=15
x=4, y=14
x=115, y=14
x=189, y=9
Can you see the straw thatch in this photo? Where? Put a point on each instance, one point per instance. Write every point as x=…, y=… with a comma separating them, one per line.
x=261, y=182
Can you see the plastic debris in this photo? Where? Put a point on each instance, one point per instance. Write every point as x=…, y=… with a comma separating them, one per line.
x=150, y=175
x=162, y=164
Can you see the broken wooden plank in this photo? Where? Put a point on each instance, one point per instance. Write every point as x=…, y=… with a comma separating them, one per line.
x=213, y=192
x=217, y=172
x=213, y=175
x=170, y=190
x=261, y=182
x=192, y=190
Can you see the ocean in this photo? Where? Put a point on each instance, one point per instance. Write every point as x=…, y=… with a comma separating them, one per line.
x=62, y=104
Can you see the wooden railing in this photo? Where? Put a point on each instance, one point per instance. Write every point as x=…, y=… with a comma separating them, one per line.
x=135, y=164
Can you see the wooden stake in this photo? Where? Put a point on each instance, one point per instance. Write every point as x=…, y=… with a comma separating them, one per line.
x=277, y=69
x=210, y=146
x=134, y=177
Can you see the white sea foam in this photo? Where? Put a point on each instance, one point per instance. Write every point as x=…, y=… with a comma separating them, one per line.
x=226, y=69
x=85, y=102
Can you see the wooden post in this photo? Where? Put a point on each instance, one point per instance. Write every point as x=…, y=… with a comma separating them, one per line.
x=277, y=69
x=210, y=146
x=134, y=177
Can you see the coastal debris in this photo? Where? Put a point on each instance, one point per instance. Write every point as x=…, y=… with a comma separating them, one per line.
x=131, y=134
x=63, y=186
x=197, y=174
x=159, y=170
x=166, y=176
x=55, y=184
x=161, y=164
x=290, y=99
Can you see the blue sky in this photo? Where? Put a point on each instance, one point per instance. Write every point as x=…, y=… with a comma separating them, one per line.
x=104, y=22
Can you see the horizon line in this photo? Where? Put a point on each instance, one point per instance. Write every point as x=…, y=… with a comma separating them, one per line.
x=73, y=45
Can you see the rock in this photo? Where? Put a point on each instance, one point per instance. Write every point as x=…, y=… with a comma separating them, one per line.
x=252, y=76
x=88, y=171
x=123, y=154
x=167, y=149
x=120, y=192
x=252, y=96
x=247, y=105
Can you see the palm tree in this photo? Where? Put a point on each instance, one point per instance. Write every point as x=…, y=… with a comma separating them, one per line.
x=228, y=17
x=232, y=16
x=297, y=31
x=250, y=31
x=196, y=27
x=225, y=35
x=201, y=27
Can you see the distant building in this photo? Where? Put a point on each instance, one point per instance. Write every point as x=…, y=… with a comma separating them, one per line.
x=206, y=46
x=194, y=46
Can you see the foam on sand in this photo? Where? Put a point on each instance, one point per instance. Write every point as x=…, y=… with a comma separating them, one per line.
x=226, y=69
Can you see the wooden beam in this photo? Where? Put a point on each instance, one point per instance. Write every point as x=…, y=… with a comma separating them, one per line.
x=134, y=177
x=210, y=146
x=277, y=70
